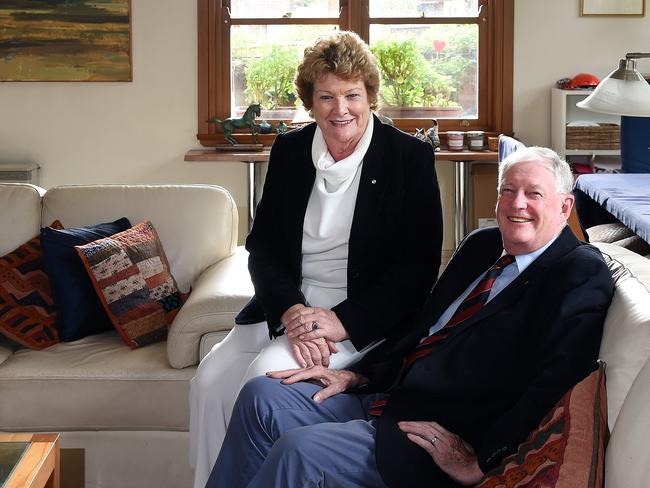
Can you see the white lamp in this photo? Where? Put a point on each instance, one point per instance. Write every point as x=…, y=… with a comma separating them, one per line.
x=623, y=92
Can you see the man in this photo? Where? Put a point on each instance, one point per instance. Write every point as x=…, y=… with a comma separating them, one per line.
x=446, y=403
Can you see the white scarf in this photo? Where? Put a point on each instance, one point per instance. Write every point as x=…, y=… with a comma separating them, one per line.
x=336, y=176
x=326, y=228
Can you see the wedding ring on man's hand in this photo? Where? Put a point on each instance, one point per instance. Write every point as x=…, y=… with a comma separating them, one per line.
x=314, y=325
x=433, y=439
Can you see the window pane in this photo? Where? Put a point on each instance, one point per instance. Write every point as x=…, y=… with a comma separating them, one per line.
x=263, y=66
x=284, y=8
x=427, y=70
x=420, y=8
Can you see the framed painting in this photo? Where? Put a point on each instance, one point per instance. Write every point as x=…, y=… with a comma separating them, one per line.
x=65, y=40
x=629, y=8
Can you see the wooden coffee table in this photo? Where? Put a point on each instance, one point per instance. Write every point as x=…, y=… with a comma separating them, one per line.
x=37, y=467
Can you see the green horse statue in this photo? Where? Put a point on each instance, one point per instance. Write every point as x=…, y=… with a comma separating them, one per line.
x=247, y=120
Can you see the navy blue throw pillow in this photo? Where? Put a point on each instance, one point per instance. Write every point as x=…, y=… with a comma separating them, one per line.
x=80, y=312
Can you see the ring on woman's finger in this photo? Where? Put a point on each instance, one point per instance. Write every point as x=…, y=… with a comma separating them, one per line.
x=433, y=439
x=314, y=325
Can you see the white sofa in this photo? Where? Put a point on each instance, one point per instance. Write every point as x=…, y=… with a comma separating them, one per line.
x=625, y=348
x=127, y=409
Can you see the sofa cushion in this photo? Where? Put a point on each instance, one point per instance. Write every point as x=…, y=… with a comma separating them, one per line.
x=27, y=313
x=80, y=311
x=626, y=461
x=626, y=337
x=567, y=449
x=635, y=244
x=130, y=273
x=95, y=383
x=197, y=224
x=609, y=233
x=24, y=219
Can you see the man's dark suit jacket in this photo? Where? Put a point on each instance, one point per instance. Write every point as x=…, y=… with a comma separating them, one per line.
x=395, y=238
x=501, y=370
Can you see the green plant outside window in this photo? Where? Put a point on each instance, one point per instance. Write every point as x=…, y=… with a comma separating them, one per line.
x=431, y=67
x=269, y=78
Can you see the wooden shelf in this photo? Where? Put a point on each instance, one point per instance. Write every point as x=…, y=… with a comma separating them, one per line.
x=212, y=155
x=467, y=156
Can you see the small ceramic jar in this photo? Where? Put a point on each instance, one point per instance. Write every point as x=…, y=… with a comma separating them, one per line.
x=455, y=140
x=475, y=140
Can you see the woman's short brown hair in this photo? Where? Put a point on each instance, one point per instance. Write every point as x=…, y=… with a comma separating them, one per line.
x=343, y=54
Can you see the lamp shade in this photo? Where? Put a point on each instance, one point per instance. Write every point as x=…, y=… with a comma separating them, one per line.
x=619, y=97
x=623, y=92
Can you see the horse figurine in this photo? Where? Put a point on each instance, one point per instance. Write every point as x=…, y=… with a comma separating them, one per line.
x=247, y=120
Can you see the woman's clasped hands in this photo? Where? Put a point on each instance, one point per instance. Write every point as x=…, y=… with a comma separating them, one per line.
x=312, y=333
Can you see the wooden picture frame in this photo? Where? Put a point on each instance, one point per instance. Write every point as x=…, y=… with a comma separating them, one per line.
x=619, y=8
x=83, y=40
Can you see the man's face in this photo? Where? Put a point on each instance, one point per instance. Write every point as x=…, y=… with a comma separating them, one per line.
x=530, y=211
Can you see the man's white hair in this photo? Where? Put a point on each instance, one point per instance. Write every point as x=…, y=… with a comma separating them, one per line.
x=560, y=168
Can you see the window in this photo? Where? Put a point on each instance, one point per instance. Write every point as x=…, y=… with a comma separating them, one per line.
x=444, y=59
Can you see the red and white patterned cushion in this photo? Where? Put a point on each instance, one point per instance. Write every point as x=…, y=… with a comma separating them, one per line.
x=131, y=276
x=567, y=449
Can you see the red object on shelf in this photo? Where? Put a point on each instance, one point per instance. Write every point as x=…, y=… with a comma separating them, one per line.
x=581, y=168
x=583, y=80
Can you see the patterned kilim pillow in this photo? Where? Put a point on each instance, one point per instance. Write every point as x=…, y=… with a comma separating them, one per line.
x=567, y=449
x=130, y=273
x=27, y=313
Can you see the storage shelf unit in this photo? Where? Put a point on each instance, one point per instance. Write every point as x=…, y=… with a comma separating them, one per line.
x=588, y=152
x=564, y=110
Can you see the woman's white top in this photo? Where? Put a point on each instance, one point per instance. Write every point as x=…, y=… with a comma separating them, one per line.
x=326, y=229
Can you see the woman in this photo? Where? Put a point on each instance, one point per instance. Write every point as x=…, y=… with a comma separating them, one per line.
x=346, y=238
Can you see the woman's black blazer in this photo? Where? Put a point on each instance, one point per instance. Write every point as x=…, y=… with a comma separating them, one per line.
x=395, y=237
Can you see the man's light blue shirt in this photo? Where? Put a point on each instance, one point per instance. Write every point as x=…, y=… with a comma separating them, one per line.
x=509, y=273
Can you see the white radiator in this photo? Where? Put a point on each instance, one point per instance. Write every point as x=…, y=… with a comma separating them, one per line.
x=19, y=173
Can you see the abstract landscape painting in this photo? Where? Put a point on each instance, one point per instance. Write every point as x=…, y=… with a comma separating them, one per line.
x=65, y=40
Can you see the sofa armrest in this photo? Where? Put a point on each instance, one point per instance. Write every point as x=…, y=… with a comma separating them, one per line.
x=217, y=296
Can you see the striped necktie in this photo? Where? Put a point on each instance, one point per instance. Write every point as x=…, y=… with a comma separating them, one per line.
x=472, y=303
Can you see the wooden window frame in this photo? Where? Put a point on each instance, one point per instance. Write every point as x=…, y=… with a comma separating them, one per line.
x=494, y=74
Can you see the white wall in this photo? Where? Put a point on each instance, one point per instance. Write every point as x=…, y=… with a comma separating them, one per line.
x=552, y=41
x=132, y=132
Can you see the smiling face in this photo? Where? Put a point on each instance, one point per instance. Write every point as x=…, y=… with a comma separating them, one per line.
x=341, y=110
x=530, y=211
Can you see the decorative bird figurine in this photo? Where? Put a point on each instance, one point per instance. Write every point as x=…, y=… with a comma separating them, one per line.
x=433, y=136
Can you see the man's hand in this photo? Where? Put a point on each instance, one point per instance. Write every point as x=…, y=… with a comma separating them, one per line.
x=333, y=380
x=309, y=323
x=451, y=453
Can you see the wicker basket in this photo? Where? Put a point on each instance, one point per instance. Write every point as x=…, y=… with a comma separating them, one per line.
x=605, y=136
